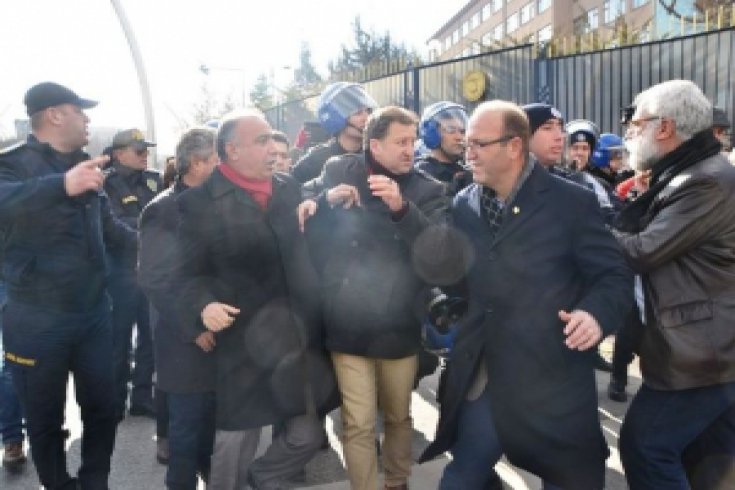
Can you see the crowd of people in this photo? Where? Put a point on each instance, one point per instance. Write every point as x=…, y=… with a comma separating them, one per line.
x=237, y=292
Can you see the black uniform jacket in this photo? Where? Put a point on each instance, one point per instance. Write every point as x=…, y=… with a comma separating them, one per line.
x=551, y=253
x=181, y=366
x=271, y=363
x=56, y=244
x=310, y=165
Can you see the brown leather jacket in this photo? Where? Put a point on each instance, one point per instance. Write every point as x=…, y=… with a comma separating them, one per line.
x=686, y=257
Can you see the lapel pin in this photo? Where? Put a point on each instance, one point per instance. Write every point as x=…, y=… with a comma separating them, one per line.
x=516, y=210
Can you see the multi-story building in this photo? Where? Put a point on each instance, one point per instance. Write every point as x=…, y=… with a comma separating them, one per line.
x=483, y=25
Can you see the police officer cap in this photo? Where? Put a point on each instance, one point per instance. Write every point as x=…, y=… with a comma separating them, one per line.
x=719, y=118
x=539, y=113
x=50, y=94
x=130, y=137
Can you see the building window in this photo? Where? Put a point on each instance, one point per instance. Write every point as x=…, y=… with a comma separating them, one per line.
x=466, y=52
x=447, y=43
x=475, y=47
x=455, y=37
x=613, y=9
x=497, y=5
x=586, y=23
x=487, y=39
x=545, y=34
x=512, y=23
x=527, y=12
x=465, y=28
x=486, y=11
x=498, y=32
x=475, y=21
x=639, y=3
x=543, y=5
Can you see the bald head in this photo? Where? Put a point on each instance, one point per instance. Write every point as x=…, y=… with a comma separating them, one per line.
x=245, y=143
x=497, y=144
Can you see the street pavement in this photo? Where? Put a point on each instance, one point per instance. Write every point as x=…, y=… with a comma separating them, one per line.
x=134, y=466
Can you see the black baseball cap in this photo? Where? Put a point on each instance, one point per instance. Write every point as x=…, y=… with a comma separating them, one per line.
x=50, y=94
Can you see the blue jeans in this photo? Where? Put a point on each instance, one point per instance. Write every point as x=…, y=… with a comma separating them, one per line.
x=42, y=348
x=664, y=429
x=11, y=416
x=190, y=438
x=476, y=450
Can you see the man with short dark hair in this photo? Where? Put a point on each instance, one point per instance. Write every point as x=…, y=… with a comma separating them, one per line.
x=57, y=318
x=374, y=214
x=283, y=157
x=184, y=358
x=546, y=281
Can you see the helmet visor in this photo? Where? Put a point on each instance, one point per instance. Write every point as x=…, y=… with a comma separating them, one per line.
x=452, y=120
x=352, y=99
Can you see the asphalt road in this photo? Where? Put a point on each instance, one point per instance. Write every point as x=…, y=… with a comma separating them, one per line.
x=134, y=466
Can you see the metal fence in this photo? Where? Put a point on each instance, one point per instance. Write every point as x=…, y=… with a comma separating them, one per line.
x=593, y=85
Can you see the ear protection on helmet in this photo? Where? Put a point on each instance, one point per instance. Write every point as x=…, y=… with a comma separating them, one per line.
x=338, y=102
x=429, y=130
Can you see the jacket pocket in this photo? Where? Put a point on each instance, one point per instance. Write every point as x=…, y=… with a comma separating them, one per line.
x=683, y=314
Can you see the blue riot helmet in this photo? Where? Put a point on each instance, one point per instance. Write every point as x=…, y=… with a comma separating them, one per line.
x=582, y=130
x=338, y=102
x=454, y=116
x=609, y=146
x=212, y=123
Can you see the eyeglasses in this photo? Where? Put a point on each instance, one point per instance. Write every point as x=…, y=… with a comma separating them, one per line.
x=451, y=129
x=475, y=144
x=638, y=123
x=141, y=151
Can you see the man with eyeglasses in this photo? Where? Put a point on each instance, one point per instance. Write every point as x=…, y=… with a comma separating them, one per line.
x=547, y=281
x=442, y=130
x=130, y=187
x=679, y=236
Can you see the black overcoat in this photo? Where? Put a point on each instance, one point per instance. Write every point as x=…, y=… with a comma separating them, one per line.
x=181, y=366
x=552, y=253
x=271, y=364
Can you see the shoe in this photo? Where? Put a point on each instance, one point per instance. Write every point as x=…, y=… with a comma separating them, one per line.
x=14, y=458
x=162, y=450
x=616, y=391
x=142, y=411
x=602, y=364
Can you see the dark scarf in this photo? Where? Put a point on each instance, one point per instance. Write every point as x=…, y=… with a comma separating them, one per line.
x=636, y=216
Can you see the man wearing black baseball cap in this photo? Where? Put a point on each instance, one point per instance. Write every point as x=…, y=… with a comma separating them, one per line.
x=56, y=319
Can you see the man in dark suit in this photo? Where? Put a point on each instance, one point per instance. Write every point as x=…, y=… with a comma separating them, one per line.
x=184, y=358
x=546, y=283
x=246, y=273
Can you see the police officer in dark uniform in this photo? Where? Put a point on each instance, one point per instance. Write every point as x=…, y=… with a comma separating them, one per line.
x=130, y=186
x=442, y=129
x=343, y=110
x=57, y=318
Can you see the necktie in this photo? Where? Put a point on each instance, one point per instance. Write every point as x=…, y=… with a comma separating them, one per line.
x=493, y=210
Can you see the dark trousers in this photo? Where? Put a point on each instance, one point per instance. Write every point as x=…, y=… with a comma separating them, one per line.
x=476, y=450
x=162, y=415
x=664, y=430
x=626, y=341
x=42, y=347
x=190, y=438
x=129, y=308
x=11, y=416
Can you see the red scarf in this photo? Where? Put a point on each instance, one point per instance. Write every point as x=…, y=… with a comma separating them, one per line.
x=260, y=190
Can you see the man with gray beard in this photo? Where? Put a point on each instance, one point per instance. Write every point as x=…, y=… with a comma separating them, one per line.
x=679, y=236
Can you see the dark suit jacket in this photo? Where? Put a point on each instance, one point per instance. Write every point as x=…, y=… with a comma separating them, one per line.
x=552, y=253
x=181, y=366
x=271, y=363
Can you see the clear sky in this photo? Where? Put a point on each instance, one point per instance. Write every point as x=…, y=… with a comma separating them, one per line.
x=80, y=43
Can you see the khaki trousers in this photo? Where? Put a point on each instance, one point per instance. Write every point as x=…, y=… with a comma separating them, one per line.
x=366, y=383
